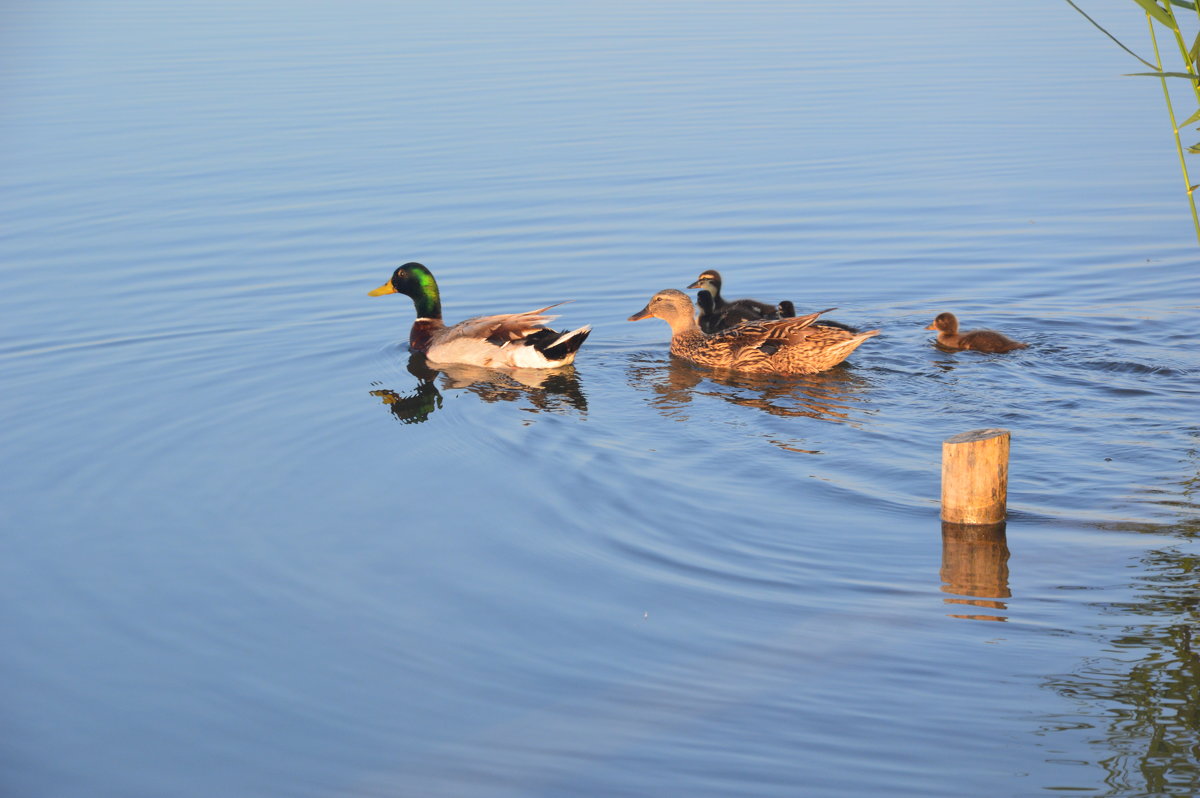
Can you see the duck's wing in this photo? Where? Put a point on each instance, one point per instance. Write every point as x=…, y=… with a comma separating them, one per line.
x=500, y=328
x=739, y=347
x=755, y=341
x=755, y=333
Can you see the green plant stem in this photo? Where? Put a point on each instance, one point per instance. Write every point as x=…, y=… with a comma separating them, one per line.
x=1174, y=126
x=1184, y=53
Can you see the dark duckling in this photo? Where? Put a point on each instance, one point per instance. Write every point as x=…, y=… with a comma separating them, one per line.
x=748, y=309
x=730, y=313
x=712, y=320
x=979, y=340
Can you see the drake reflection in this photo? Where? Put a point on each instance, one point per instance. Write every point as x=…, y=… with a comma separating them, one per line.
x=552, y=391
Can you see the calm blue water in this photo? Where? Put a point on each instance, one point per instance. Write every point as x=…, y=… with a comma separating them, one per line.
x=250, y=550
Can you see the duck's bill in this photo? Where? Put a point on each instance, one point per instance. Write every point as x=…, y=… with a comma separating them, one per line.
x=386, y=288
x=695, y=284
x=644, y=313
x=932, y=326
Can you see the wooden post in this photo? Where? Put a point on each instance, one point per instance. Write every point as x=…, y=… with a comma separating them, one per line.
x=975, y=477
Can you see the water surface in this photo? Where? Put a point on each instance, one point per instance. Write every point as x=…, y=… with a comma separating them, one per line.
x=254, y=549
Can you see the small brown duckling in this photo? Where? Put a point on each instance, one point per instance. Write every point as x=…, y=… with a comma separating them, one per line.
x=979, y=340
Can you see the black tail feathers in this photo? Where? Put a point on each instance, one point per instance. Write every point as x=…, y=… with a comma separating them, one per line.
x=544, y=342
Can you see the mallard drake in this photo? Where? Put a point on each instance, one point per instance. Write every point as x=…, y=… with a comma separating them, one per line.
x=980, y=340
x=507, y=340
x=731, y=312
x=780, y=346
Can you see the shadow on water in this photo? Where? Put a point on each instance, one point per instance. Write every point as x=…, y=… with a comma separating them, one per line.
x=551, y=391
x=1180, y=498
x=1140, y=701
x=674, y=384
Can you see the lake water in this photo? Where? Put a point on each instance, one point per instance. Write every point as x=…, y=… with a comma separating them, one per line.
x=251, y=551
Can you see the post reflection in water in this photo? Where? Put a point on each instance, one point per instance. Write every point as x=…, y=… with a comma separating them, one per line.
x=673, y=383
x=975, y=568
x=546, y=390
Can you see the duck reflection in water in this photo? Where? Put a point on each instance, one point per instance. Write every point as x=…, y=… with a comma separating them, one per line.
x=831, y=394
x=554, y=391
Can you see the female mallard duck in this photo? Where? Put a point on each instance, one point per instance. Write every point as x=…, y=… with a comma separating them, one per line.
x=980, y=340
x=508, y=340
x=729, y=313
x=780, y=346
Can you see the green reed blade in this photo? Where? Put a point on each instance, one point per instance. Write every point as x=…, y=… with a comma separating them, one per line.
x=1158, y=12
x=1187, y=75
x=1174, y=127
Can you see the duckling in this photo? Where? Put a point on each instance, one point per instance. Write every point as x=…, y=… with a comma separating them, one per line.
x=751, y=309
x=780, y=346
x=711, y=320
x=980, y=340
x=739, y=310
x=507, y=340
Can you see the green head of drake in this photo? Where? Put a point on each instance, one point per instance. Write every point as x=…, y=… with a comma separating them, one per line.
x=417, y=282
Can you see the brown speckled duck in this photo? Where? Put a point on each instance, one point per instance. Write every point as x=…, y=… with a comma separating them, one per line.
x=780, y=346
x=727, y=313
x=979, y=340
